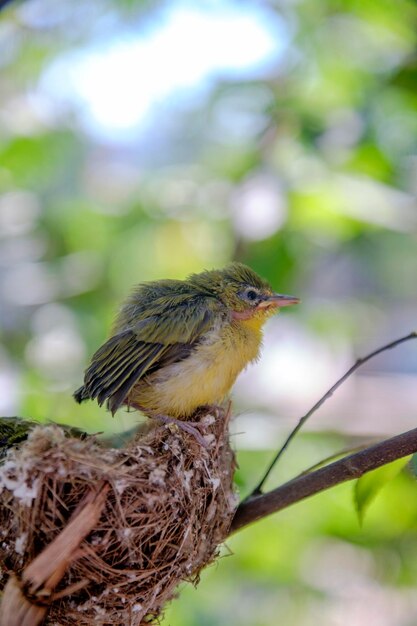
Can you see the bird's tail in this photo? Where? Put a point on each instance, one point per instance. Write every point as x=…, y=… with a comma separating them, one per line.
x=81, y=394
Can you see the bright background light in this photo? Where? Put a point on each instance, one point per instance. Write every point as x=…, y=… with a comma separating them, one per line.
x=177, y=56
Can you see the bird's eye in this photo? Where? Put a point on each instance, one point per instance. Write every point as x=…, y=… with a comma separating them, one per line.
x=251, y=295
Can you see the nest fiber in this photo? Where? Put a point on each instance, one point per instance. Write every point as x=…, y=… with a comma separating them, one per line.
x=169, y=505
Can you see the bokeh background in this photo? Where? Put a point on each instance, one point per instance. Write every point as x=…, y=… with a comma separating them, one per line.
x=141, y=140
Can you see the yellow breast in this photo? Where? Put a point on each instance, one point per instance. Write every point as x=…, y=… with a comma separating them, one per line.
x=207, y=375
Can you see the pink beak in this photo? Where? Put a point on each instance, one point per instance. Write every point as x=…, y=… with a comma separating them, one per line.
x=278, y=300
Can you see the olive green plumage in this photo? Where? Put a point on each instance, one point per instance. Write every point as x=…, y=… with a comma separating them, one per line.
x=12, y=432
x=163, y=323
x=15, y=430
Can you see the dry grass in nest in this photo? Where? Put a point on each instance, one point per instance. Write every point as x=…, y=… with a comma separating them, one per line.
x=168, y=506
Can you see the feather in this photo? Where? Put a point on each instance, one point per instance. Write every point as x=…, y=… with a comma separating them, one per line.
x=153, y=342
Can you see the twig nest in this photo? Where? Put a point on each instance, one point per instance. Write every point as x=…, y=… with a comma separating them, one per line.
x=169, y=505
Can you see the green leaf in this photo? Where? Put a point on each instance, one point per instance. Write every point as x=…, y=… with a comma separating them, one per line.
x=413, y=465
x=369, y=485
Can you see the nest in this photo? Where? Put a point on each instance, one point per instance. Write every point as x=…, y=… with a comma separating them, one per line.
x=166, y=506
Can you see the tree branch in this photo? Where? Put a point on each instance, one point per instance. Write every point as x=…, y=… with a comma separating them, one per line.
x=327, y=395
x=304, y=486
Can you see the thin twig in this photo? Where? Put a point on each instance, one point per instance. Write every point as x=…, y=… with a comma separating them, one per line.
x=348, y=468
x=337, y=455
x=327, y=395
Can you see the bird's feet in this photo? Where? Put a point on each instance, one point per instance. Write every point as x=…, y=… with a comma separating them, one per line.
x=188, y=427
x=216, y=410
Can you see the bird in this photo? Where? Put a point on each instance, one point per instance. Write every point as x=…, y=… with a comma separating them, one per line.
x=15, y=430
x=179, y=345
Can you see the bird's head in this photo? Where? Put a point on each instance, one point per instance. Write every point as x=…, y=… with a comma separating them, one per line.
x=244, y=292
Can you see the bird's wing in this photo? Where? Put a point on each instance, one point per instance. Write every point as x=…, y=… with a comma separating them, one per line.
x=165, y=337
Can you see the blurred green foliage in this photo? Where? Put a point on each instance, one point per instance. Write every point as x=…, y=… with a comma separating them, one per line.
x=306, y=172
x=369, y=485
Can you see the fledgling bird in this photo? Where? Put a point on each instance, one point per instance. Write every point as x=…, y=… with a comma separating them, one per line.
x=178, y=345
x=15, y=430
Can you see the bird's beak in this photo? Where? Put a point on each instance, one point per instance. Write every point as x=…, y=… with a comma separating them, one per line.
x=278, y=300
